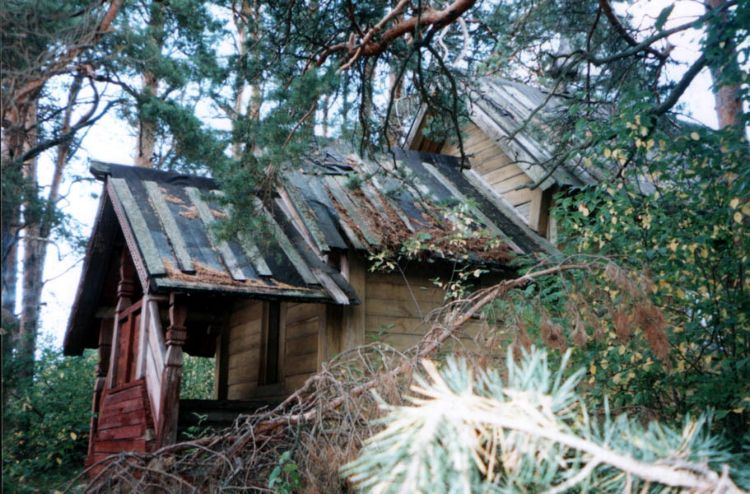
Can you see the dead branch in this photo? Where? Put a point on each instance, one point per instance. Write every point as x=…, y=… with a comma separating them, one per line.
x=329, y=417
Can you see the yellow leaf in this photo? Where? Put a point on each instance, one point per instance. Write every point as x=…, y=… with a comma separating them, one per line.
x=734, y=203
x=673, y=245
x=73, y=436
x=694, y=136
x=592, y=369
x=59, y=461
x=583, y=209
x=737, y=217
x=644, y=131
x=607, y=152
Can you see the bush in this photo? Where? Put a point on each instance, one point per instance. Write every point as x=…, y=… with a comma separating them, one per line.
x=45, y=438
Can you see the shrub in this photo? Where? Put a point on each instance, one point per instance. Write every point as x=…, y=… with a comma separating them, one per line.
x=45, y=438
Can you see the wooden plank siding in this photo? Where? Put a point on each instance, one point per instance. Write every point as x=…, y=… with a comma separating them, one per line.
x=303, y=327
x=244, y=340
x=399, y=310
x=503, y=176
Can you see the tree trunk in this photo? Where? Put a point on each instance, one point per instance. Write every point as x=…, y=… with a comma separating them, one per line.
x=727, y=96
x=36, y=239
x=146, y=147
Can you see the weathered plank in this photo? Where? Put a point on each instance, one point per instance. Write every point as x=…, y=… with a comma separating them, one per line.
x=511, y=184
x=241, y=391
x=286, y=245
x=306, y=216
x=253, y=253
x=502, y=173
x=122, y=432
x=346, y=202
x=207, y=217
x=168, y=222
x=393, y=286
x=517, y=197
x=141, y=232
x=120, y=420
x=244, y=345
x=120, y=445
x=241, y=316
x=294, y=382
x=299, y=312
x=302, y=364
x=301, y=346
x=398, y=307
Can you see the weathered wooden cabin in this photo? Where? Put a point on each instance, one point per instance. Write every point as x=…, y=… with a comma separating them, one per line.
x=270, y=307
x=508, y=148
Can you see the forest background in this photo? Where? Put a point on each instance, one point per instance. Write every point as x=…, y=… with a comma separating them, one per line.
x=202, y=87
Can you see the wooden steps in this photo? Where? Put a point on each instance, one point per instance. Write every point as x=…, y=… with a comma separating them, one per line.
x=124, y=423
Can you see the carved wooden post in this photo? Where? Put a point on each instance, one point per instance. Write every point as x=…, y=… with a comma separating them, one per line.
x=172, y=375
x=125, y=291
x=105, y=348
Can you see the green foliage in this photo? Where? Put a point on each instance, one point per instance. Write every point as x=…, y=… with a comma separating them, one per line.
x=197, y=378
x=46, y=426
x=689, y=236
x=526, y=429
x=285, y=477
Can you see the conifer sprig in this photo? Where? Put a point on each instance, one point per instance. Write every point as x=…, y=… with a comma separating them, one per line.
x=528, y=430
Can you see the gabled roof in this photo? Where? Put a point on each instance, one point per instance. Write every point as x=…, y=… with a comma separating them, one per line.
x=515, y=116
x=330, y=202
x=166, y=220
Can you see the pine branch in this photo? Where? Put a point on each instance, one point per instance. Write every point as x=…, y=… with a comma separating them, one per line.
x=531, y=426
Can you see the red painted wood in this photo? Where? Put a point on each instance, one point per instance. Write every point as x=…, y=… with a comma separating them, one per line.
x=120, y=420
x=124, y=420
x=135, y=329
x=120, y=445
x=122, y=432
x=117, y=396
x=125, y=406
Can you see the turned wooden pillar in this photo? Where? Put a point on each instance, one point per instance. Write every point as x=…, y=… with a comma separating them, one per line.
x=172, y=374
x=125, y=292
